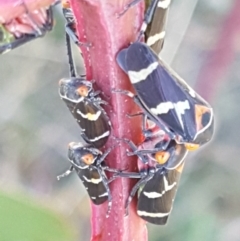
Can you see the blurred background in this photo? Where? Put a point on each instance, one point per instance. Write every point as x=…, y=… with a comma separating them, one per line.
x=203, y=46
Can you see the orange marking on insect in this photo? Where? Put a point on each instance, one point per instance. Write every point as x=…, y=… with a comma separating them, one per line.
x=180, y=168
x=65, y=4
x=199, y=111
x=162, y=157
x=191, y=146
x=88, y=159
x=83, y=91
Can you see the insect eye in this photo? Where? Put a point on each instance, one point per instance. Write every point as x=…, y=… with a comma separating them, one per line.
x=88, y=159
x=162, y=157
x=83, y=91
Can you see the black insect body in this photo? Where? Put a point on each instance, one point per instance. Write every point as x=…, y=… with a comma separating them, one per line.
x=25, y=28
x=85, y=105
x=155, y=200
x=82, y=100
x=165, y=98
x=159, y=178
x=154, y=24
x=88, y=162
x=153, y=27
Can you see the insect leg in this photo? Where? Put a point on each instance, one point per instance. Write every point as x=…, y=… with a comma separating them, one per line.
x=147, y=18
x=70, y=57
x=65, y=173
x=126, y=7
x=141, y=182
x=105, y=183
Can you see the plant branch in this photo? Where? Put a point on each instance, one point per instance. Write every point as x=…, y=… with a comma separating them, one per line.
x=98, y=24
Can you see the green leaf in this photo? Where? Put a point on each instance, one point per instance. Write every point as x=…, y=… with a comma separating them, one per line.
x=21, y=220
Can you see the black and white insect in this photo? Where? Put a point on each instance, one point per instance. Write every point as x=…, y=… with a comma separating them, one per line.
x=88, y=162
x=159, y=178
x=165, y=98
x=85, y=105
x=154, y=22
x=25, y=28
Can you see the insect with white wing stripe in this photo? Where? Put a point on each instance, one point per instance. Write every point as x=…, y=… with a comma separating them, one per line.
x=88, y=162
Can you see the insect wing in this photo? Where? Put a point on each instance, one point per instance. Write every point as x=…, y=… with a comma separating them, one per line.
x=90, y=116
x=207, y=121
x=155, y=32
x=167, y=97
x=156, y=198
x=95, y=127
x=148, y=79
x=92, y=181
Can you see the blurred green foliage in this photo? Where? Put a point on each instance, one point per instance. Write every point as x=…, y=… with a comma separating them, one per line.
x=23, y=220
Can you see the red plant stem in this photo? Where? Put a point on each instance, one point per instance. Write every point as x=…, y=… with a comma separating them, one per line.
x=10, y=9
x=219, y=60
x=98, y=24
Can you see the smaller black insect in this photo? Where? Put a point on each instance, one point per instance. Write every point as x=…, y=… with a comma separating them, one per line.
x=159, y=178
x=85, y=105
x=88, y=162
x=154, y=22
